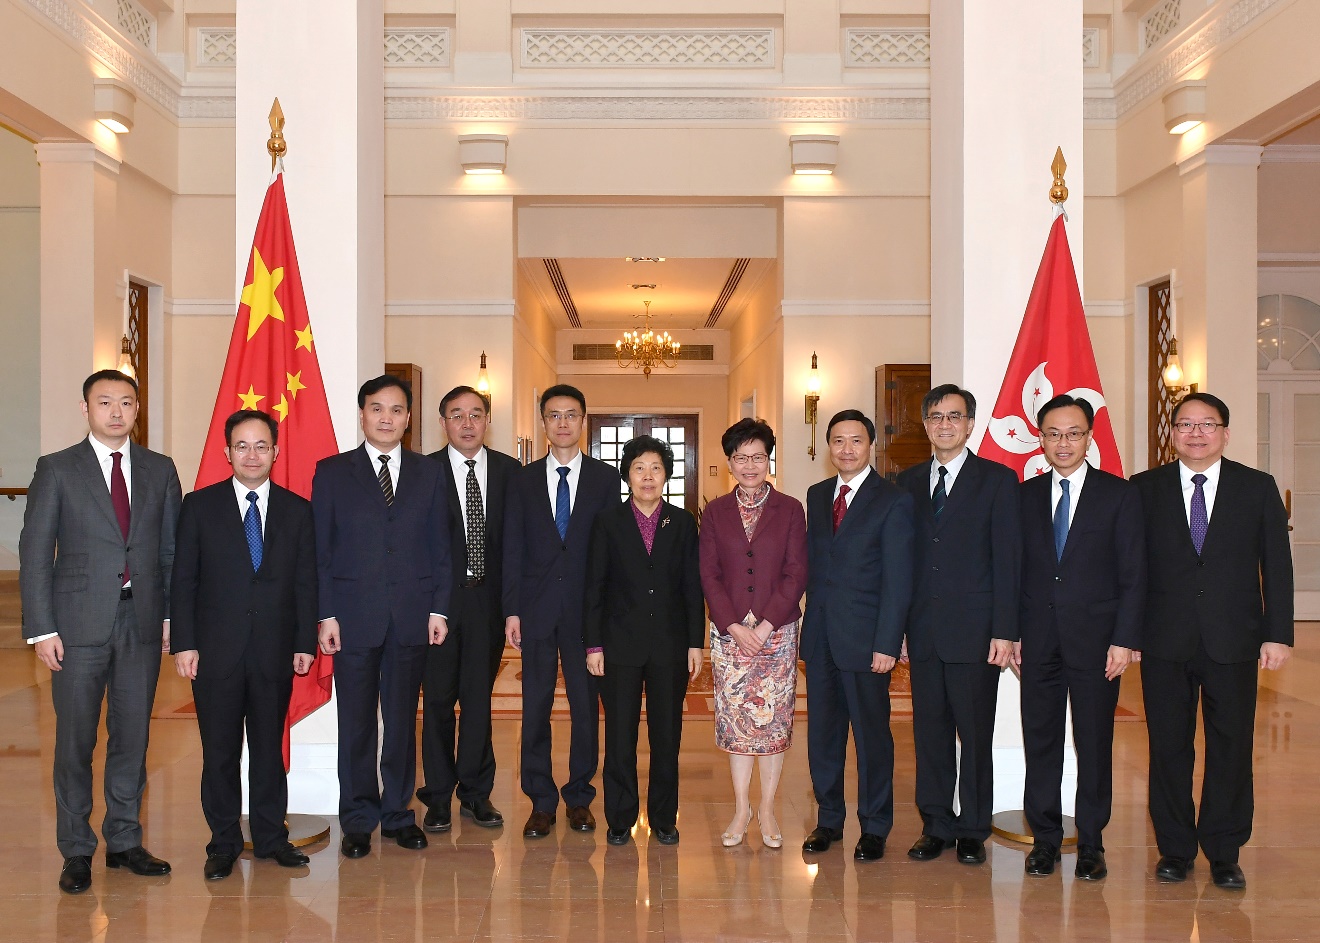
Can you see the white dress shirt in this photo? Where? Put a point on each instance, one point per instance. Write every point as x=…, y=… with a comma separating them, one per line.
x=574, y=467
x=395, y=455
x=1211, y=488
x=263, y=501
x=853, y=486
x=1075, y=483
x=950, y=472
x=458, y=462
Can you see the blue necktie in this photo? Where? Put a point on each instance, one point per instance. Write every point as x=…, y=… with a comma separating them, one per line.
x=1199, y=519
x=1061, y=520
x=561, y=503
x=252, y=527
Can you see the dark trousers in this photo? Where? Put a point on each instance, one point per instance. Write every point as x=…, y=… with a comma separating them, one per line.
x=1227, y=696
x=1048, y=684
x=952, y=702
x=458, y=755
x=621, y=689
x=249, y=699
x=389, y=675
x=837, y=699
x=541, y=661
x=123, y=673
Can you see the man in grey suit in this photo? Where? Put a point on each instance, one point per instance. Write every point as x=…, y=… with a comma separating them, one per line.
x=96, y=552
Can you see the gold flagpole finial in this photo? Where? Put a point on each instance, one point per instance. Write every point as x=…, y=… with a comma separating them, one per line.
x=275, y=146
x=1058, y=192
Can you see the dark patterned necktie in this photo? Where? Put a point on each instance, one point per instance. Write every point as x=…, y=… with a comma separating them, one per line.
x=1199, y=519
x=119, y=498
x=252, y=528
x=938, y=497
x=476, y=524
x=386, y=485
x=840, y=506
x=1061, y=520
x=562, y=509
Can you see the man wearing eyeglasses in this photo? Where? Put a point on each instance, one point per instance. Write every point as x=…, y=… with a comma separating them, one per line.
x=962, y=624
x=1083, y=595
x=244, y=614
x=1221, y=601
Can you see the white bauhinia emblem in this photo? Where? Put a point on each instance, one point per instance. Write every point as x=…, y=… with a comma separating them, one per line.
x=1018, y=435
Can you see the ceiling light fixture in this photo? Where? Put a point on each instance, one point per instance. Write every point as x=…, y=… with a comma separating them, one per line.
x=637, y=286
x=645, y=258
x=646, y=349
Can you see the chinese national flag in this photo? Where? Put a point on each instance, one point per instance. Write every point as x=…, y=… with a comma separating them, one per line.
x=272, y=366
x=1052, y=355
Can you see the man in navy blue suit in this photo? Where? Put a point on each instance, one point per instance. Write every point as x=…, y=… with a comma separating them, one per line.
x=859, y=584
x=382, y=554
x=552, y=505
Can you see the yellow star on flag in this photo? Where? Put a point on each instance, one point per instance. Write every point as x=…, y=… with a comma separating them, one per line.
x=251, y=398
x=259, y=294
x=295, y=383
x=282, y=407
x=304, y=337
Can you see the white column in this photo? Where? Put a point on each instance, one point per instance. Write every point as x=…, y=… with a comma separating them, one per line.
x=1006, y=90
x=1215, y=307
x=81, y=316
x=324, y=60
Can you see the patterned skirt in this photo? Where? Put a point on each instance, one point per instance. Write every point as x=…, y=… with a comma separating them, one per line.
x=755, y=694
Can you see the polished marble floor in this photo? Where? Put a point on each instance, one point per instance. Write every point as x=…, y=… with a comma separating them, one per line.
x=480, y=884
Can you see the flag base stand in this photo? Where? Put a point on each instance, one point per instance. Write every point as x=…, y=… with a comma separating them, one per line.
x=304, y=830
x=1011, y=824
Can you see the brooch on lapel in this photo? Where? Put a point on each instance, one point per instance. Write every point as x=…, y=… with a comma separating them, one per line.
x=664, y=522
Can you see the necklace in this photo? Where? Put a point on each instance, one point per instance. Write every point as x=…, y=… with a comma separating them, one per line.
x=751, y=504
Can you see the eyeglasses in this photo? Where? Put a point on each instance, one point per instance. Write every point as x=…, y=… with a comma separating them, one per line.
x=1187, y=427
x=243, y=448
x=935, y=419
x=473, y=417
x=760, y=458
x=1072, y=435
x=570, y=416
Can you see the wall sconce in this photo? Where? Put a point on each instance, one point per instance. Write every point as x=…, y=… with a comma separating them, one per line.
x=125, y=365
x=113, y=103
x=1173, y=373
x=483, y=382
x=814, y=153
x=1184, y=106
x=813, y=400
x=483, y=153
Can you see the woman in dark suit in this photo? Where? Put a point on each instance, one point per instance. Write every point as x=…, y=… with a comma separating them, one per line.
x=643, y=632
x=753, y=571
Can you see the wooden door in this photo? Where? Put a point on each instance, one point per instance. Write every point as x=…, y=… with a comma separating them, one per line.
x=899, y=388
x=608, y=432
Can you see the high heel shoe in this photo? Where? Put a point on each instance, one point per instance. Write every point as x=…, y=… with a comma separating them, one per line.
x=770, y=841
x=734, y=839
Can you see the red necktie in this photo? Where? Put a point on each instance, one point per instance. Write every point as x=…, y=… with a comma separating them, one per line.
x=840, y=506
x=119, y=498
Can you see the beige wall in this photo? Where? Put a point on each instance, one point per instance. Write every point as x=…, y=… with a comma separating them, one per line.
x=20, y=307
x=196, y=356
x=756, y=360
x=1289, y=207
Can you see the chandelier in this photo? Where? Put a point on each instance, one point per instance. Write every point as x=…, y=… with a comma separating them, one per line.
x=645, y=348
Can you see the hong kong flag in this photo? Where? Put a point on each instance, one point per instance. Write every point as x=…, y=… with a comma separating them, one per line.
x=272, y=366
x=1053, y=355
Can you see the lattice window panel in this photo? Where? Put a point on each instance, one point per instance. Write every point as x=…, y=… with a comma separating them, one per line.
x=417, y=48
x=136, y=22
x=1090, y=48
x=137, y=354
x=648, y=48
x=1160, y=417
x=217, y=47
x=887, y=48
x=1160, y=22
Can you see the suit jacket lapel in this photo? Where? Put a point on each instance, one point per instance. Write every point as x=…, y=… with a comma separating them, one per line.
x=139, y=489
x=447, y=469
x=864, y=496
x=1178, y=510
x=366, y=475
x=967, y=478
x=1087, y=508
x=768, y=514
x=95, y=478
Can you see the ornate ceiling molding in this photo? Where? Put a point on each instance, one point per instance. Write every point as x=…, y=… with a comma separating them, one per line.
x=656, y=108
x=647, y=48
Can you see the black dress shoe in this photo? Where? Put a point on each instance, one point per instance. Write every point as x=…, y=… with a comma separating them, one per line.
x=620, y=836
x=667, y=834
x=355, y=844
x=138, y=860
x=1090, y=863
x=481, y=812
x=928, y=848
x=437, y=819
x=580, y=819
x=971, y=851
x=539, y=825
x=1041, y=859
x=1227, y=874
x=288, y=857
x=870, y=847
x=218, y=866
x=821, y=838
x=1173, y=870
x=76, y=875
x=409, y=836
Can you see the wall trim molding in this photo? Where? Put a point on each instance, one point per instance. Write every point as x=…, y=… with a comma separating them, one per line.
x=75, y=152
x=1291, y=154
x=1106, y=309
x=860, y=308
x=406, y=105
x=444, y=307
x=200, y=307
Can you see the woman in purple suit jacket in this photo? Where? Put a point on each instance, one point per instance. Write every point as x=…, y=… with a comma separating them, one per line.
x=753, y=572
